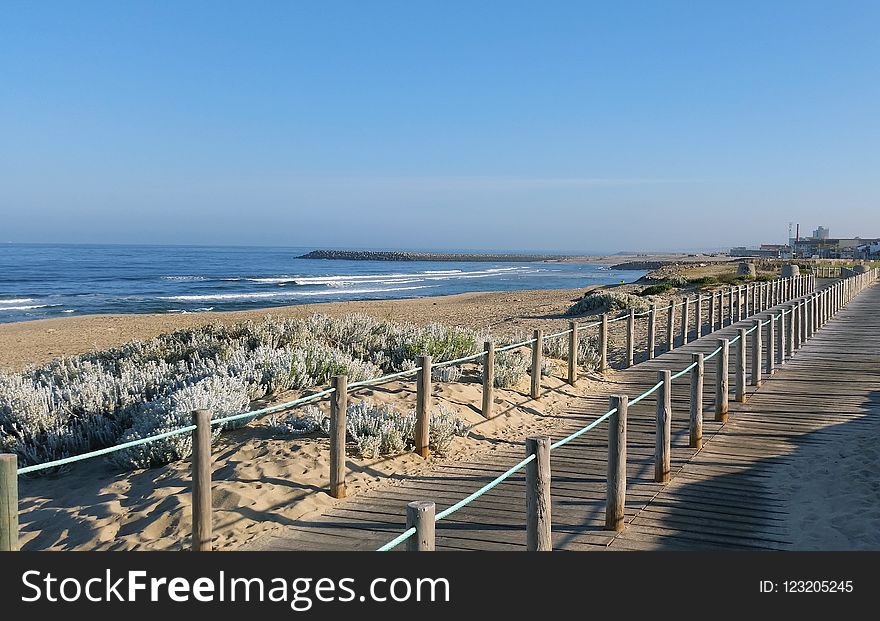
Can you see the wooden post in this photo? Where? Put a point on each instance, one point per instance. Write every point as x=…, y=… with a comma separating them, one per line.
x=781, y=344
x=423, y=407
x=730, y=319
x=652, y=331
x=806, y=320
x=811, y=315
x=696, y=410
x=202, y=525
x=826, y=306
x=744, y=302
x=630, y=337
x=741, y=367
x=685, y=320
x=615, y=501
x=538, y=521
x=8, y=503
x=537, y=359
x=420, y=515
x=488, y=378
x=756, y=353
x=721, y=382
x=603, y=344
x=573, y=353
x=338, y=423
x=670, y=326
x=712, y=312
x=794, y=328
x=770, y=358
x=698, y=316
x=663, y=439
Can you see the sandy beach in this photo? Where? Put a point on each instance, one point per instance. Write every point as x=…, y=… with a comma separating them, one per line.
x=34, y=342
x=263, y=480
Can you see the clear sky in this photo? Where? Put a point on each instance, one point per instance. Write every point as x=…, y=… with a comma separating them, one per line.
x=565, y=126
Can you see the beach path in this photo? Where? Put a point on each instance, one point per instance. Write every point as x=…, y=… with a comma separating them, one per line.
x=792, y=468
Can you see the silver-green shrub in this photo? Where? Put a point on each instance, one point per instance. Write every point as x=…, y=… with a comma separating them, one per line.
x=588, y=349
x=377, y=430
x=608, y=302
x=510, y=368
x=77, y=404
x=223, y=395
x=449, y=374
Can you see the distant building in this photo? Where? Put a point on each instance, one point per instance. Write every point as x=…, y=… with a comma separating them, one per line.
x=765, y=251
x=819, y=246
x=835, y=248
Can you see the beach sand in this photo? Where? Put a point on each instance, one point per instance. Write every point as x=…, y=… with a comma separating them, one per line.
x=509, y=312
x=263, y=480
x=830, y=487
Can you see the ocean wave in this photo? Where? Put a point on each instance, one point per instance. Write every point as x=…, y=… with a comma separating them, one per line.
x=185, y=278
x=17, y=301
x=389, y=279
x=69, y=310
x=25, y=307
x=286, y=294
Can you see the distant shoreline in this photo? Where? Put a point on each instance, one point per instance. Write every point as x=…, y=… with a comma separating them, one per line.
x=369, y=255
x=623, y=261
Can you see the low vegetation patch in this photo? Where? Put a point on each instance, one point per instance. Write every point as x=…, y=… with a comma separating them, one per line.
x=609, y=301
x=74, y=405
x=658, y=289
x=377, y=430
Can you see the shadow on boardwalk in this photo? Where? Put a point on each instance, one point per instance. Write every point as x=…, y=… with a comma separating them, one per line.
x=820, y=492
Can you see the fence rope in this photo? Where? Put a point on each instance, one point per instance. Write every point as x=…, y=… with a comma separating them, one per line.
x=713, y=354
x=684, y=371
x=488, y=486
x=104, y=451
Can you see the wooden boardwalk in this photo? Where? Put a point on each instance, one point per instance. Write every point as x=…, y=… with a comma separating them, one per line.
x=718, y=496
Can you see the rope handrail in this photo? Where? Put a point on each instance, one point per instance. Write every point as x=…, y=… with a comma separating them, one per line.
x=488, y=486
x=558, y=334
x=647, y=393
x=460, y=360
x=104, y=451
x=582, y=430
x=513, y=470
x=409, y=532
x=684, y=371
x=273, y=408
x=713, y=354
x=515, y=345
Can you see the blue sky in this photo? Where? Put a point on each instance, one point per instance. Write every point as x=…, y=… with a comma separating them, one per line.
x=566, y=126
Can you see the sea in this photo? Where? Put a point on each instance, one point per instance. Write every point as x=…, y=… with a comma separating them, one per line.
x=39, y=281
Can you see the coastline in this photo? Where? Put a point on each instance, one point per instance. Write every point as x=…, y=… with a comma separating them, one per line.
x=502, y=312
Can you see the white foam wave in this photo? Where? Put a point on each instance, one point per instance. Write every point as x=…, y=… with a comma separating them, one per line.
x=25, y=307
x=69, y=310
x=17, y=301
x=285, y=294
x=185, y=278
x=387, y=279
